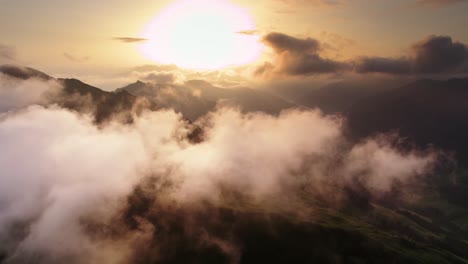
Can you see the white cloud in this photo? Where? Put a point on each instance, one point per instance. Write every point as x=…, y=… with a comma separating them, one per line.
x=59, y=172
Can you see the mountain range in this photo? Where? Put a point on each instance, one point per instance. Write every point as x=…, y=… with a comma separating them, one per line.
x=427, y=113
x=196, y=98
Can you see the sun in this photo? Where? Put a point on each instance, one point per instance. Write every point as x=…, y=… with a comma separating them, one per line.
x=202, y=34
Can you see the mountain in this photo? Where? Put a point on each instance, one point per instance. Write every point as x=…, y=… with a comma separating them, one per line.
x=195, y=98
x=427, y=112
x=80, y=96
x=432, y=230
x=103, y=105
x=334, y=97
x=362, y=229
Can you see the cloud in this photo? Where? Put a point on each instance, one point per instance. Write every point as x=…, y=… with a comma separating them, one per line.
x=154, y=73
x=377, y=165
x=383, y=65
x=437, y=54
x=24, y=73
x=7, y=53
x=433, y=55
x=281, y=42
x=305, y=56
x=334, y=44
x=73, y=58
x=81, y=179
x=130, y=40
x=439, y=3
x=248, y=32
x=18, y=94
x=295, y=56
x=160, y=77
x=55, y=143
x=313, y=2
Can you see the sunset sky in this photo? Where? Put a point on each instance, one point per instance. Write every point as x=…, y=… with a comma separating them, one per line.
x=98, y=40
x=233, y=131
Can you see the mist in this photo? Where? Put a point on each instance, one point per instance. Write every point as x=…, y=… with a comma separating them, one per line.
x=16, y=93
x=72, y=191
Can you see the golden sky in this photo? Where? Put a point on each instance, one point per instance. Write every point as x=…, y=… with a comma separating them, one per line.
x=78, y=38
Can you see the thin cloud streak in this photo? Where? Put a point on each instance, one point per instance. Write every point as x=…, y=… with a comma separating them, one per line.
x=130, y=40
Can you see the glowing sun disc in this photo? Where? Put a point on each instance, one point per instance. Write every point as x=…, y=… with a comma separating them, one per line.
x=201, y=34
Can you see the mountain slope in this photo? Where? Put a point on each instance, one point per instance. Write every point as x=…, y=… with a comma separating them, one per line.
x=426, y=112
x=80, y=96
x=103, y=105
x=432, y=229
x=335, y=97
x=356, y=232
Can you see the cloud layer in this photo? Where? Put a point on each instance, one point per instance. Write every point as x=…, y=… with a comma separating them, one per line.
x=65, y=183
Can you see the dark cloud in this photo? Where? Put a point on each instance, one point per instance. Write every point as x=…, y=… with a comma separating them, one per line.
x=7, y=52
x=23, y=73
x=130, y=40
x=295, y=56
x=438, y=54
x=433, y=55
x=383, y=65
x=310, y=64
x=439, y=3
x=281, y=42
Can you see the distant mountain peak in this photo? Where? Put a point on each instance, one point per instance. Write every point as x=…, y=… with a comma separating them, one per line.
x=198, y=83
x=71, y=80
x=132, y=87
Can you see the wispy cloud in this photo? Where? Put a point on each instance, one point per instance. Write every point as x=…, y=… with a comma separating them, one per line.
x=74, y=58
x=248, y=32
x=129, y=39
